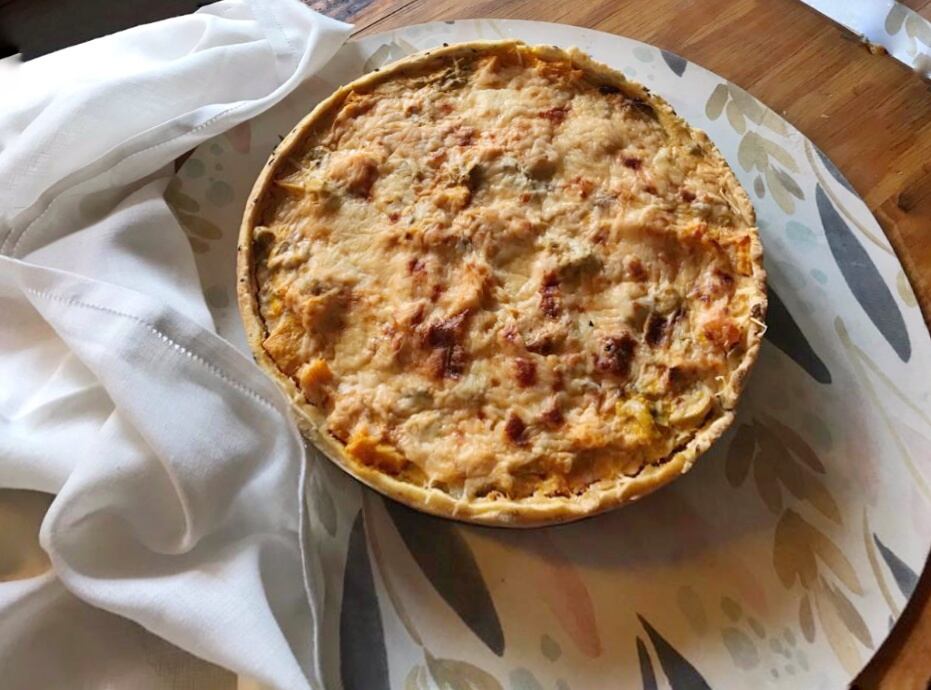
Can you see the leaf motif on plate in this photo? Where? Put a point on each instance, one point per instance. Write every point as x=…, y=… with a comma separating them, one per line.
x=841, y=640
x=873, y=558
x=363, y=660
x=558, y=584
x=240, y=137
x=647, y=675
x=550, y=648
x=767, y=484
x=688, y=525
x=177, y=200
x=748, y=105
x=806, y=620
x=739, y=455
x=447, y=561
x=783, y=187
x=916, y=27
x=741, y=648
x=369, y=503
x=863, y=277
x=453, y=674
x=735, y=117
x=793, y=556
x=861, y=362
x=784, y=333
x=905, y=289
x=680, y=673
x=905, y=577
x=848, y=613
x=691, y=606
x=803, y=487
x=418, y=678
x=895, y=18
x=716, y=102
x=523, y=679
x=798, y=445
x=796, y=544
x=200, y=231
x=755, y=150
x=811, y=151
x=676, y=63
x=759, y=188
x=780, y=458
x=788, y=183
x=834, y=172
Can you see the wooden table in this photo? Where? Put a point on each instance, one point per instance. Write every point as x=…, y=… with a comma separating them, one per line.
x=869, y=113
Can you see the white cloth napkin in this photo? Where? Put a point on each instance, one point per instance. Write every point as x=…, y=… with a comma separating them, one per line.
x=176, y=469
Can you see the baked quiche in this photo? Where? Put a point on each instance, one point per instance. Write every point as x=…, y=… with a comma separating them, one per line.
x=503, y=283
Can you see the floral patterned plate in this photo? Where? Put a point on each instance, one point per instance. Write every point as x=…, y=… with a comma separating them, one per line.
x=781, y=561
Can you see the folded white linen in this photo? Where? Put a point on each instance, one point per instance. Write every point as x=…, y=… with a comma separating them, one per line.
x=177, y=472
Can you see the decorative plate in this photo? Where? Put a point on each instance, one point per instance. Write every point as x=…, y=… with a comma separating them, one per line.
x=781, y=561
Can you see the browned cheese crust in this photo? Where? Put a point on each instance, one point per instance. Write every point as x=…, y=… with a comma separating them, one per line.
x=503, y=283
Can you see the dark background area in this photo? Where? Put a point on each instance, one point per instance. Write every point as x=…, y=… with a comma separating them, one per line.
x=37, y=27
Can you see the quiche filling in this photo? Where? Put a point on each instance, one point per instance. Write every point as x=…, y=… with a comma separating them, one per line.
x=503, y=276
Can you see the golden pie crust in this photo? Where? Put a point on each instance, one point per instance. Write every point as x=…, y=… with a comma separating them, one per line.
x=502, y=283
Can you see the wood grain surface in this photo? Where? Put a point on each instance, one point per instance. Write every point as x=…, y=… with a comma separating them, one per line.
x=869, y=113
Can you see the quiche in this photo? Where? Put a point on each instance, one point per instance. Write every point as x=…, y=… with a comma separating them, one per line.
x=503, y=283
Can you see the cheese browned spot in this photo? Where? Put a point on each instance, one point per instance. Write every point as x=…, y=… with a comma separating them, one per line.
x=505, y=275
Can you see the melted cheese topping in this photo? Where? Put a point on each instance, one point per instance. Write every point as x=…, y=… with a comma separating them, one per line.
x=501, y=276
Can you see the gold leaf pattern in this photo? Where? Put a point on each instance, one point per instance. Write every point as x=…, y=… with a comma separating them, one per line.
x=848, y=216
x=694, y=611
x=805, y=619
x=840, y=639
x=739, y=455
x=789, y=474
x=754, y=153
x=767, y=484
x=859, y=358
x=797, y=542
x=796, y=443
x=773, y=122
x=417, y=679
x=793, y=556
x=178, y=200
x=820, y=498
x=200, y=227
x=750, y=153
x=895, y=18
x=848, y=614
x=790, y=185
x=775, y=151
x=716, y=101
x=735, y=117
x=778, y=191
x=748, y=105
x=916, y=28
x=199, y=246
x=452, y=674
x=874, y=566
x=904, y=289
x=804, y=488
